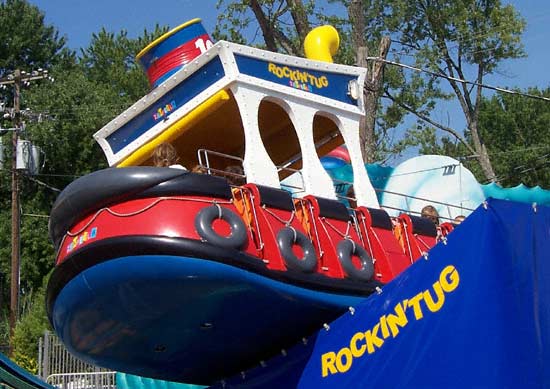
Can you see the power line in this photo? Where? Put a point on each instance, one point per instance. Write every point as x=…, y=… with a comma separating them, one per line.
x=42, y=184
x=498, y=89
x=522, y=150
x=526, y=168
x=36, y=215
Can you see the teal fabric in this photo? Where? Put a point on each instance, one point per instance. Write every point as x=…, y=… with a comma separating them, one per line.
x=129, y=381
x=378, y=175
x=519, y=193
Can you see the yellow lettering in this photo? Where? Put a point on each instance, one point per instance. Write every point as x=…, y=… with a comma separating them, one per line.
x=449, y=278
x=286, y=72
x=327, y=363
x=434, y=306
x=384, y=326
x=372, y=339
x=391, y=323
x=317, y=83
x=344, y=353
x=415, y=303
x=324, y=81
x=302, y=76
x=271, y=68
x=397, y=320
x=357, y=352
x=293, y=75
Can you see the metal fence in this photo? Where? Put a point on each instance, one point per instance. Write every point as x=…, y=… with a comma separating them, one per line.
x=61, y=369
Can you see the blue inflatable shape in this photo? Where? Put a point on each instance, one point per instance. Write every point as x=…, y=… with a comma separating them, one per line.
x=332, y=162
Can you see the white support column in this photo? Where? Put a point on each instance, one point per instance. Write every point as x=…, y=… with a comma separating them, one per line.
x=258, y=166
x=364, y=191
x=316, y=180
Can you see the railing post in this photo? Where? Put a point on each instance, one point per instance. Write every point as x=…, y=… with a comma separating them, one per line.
x=46, y=355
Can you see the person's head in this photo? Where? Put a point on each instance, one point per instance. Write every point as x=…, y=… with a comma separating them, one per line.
x=459, y=219
x=198, y=169
x=429, y=212
x=165, y=155
x=234, y=174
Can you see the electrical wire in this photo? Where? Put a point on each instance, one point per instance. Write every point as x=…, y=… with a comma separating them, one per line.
x=525, y=168
x=41, y=183
x=498, y=89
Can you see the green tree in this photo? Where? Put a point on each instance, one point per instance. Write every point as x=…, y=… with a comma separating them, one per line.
x=517, y=130
x=29, y=329
x=456, y=40
x=87, y=93
x=110, y=61
x=27, y=42
x=73, y=108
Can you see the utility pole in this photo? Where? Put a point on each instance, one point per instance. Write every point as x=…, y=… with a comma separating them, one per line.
x=15, y=213
x=18, y=79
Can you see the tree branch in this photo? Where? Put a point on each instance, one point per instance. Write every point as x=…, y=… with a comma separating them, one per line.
x=440, y=43
x=299, y=17
x=286, y=43
x=267, y=29
x=357, y=20
x=430, y=121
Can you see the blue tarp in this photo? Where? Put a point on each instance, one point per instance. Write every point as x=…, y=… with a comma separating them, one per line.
x=476, y=313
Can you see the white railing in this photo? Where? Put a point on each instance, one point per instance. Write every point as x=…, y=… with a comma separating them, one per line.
x=93, y=380
x=296, y=187
x=61, y=369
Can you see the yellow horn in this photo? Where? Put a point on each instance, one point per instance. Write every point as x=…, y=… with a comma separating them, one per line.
x=322, y=43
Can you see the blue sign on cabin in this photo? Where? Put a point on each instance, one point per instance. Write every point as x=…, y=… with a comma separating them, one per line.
x=331, y=85
x=166, y=105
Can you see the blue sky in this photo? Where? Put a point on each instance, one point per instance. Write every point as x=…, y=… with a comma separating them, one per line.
x=79, y=19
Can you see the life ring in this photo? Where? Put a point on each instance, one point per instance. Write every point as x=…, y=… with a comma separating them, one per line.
x=346, y=249
x=287, y=237
x=204, y=224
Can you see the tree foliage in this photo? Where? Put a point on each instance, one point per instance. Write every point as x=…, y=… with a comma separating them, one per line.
x=456, y=40
x=89, y=91
x=110, y=60
x=26, y=42
x=29, y=329
x=516, y=129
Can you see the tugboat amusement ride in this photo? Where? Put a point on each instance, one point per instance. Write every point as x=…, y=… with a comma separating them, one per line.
x=184, y=276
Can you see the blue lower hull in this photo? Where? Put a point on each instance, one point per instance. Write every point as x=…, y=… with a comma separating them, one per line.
x=185, y=319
